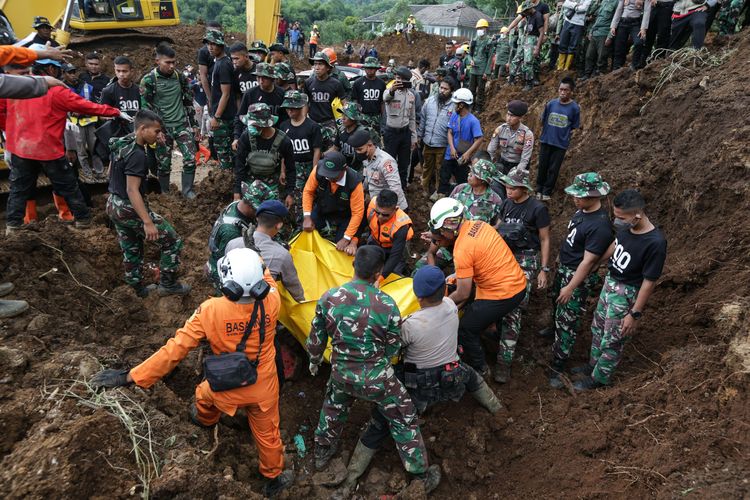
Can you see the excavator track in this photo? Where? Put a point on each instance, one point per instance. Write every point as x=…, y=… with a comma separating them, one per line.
x=82, y=39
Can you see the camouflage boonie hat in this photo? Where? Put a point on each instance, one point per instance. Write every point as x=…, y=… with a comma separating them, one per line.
x=371, y=62
x=588, y=185
x=517, y=177
x=258, y=46
x=284, y=72
x=528, y=4
x=265, y=70
x=259, y=115
x=483, y=170
x=214, y=36
x=256, y=193
x=294, y=99
x=352, y=110
x=320, y=56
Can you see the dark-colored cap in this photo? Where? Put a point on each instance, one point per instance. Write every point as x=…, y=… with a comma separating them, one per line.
x=273, y=207
x=258, y=46
x=404, y=73
x=518, y=108
x=41, y=21
x=214, y=36
x=331, y=165
x=371, y=62
x=266, y=70
x=427, y=281
x=320, y=56
x=442, y=71
x=277, y=47
x=69, y=68
x=359, y=138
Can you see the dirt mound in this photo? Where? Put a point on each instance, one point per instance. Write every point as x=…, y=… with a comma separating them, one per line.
x=424, y=46
x=675, y=422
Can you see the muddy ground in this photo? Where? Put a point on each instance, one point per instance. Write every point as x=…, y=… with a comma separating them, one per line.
x=676, y=422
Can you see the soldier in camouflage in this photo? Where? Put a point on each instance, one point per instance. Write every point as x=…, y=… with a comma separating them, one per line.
x=167, y=93
x=230, y=224
x=481, y=51
x=529, y=49
x=636, y=261
x=352, y=120
x=362, y=324
x=589, y=236
x=524, y=225
x=502, y=53
x=730, y=16
x=127, y=208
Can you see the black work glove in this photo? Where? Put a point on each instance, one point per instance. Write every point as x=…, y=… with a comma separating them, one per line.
x=110, y=378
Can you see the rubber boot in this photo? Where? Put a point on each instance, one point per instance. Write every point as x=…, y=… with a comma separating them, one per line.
x=164, y=183
x=561, y=58
x=168, y=285
x=324, y=454
x=30, y=215
x=430, y=479
x=281, y=482
x=361, y=458
x=568, y=61
x=487, y=398
x=187, y=185
x=10, y=308
x=63, y=212
x=501, y=374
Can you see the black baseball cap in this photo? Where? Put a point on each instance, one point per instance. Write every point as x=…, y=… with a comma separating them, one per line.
x=331, y=165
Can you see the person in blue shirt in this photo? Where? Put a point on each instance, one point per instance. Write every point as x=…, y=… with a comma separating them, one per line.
x=560, y=117
x=464, y=139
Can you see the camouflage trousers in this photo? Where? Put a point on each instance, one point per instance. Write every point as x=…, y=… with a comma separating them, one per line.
x=511, y=325
x=729, y=17
x=443, y=260
x=303, y=172
x=607, y=342
x=328, y=130
x=395, y=405
x=223, y=144
x=185, y=139
x=373, y=121
x=525, y=58
x=568, y=316
x=130, y=236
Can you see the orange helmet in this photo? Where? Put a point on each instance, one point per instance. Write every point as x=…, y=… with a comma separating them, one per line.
x=331, y=54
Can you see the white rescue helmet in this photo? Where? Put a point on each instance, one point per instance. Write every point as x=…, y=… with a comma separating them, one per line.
x=463, y=95
x=241, y=268
x=442, y=210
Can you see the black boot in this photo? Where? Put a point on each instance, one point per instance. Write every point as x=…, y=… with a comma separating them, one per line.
x=280, y=482
x=141, y=290
x=168, y=285
x=324, y=454
x=164, y=183
x=430, y=479
x=187, y=185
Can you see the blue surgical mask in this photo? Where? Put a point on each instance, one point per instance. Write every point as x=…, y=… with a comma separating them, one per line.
x=251, y=130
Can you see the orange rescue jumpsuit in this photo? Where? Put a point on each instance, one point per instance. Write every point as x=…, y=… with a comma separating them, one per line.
x=222, y=323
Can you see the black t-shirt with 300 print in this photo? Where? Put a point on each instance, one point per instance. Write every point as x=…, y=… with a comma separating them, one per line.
x=305, y=138
x=321, y=94
x=369, y=94
x=244, y=80
x=638, y=256
x=127, y=99
x=532, y=213
x=587, y=232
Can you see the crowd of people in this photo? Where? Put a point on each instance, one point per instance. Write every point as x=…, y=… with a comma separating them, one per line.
x=338, y=157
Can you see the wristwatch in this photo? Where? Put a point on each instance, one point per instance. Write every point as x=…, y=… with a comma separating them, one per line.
x=636, y=314
x=545, y=269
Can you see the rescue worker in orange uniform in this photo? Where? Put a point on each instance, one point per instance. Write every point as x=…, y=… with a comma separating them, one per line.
x=390, y=229
x=226, y=322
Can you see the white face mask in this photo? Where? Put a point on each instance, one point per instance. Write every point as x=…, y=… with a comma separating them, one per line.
x=480, y=32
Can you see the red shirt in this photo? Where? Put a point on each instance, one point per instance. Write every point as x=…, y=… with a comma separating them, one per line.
x=34, y=128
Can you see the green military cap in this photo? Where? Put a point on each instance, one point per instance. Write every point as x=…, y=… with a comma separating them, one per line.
x=259, y=115
x=320, y=56
x=256, y=193
x=266, y=70
x=483, y=170
x=294, y=99
x=284, y=72
x=352, y=110
x=526, y=5
x=258, y=46
x=588, y=185
x=214, y=36
x=371, y=62
x=517, y=177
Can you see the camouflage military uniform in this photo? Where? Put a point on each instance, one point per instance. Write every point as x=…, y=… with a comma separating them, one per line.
x=363, y=325
x=483, y=47
x=568, y=316
x=730, y=16
x=502, y=55
x=516, y=57
x=223, y=137
x=511, y=325
x=607, y=343
x=179, y=133
x=130, y=236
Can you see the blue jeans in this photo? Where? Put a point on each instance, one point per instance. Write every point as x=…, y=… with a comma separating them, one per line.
x=628, y=28
x=569, y=37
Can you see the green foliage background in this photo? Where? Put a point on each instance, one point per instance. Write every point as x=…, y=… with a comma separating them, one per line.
x=338, y=20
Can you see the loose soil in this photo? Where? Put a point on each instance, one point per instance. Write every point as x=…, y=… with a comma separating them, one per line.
x=675, y=423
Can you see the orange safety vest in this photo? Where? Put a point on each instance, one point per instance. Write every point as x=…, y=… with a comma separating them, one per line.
x=314, y=36
x=383, y=234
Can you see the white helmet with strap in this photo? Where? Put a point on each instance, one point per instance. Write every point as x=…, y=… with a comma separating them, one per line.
x=241, y=273
x=444, y=209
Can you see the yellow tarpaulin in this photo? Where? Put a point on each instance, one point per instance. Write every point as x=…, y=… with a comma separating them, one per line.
x=321, y=267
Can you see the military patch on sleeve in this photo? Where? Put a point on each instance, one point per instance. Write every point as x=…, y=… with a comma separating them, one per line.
x=388, y=167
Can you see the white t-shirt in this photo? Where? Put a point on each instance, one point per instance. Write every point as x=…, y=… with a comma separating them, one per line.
x=430, y=335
